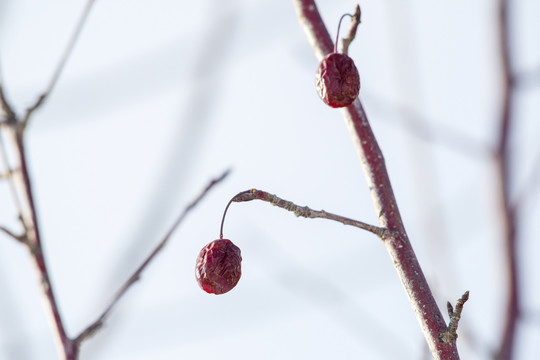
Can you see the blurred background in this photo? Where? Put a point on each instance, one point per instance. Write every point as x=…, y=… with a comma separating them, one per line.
x=160, y=97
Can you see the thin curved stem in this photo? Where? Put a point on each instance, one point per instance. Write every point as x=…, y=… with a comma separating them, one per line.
x=338, y=27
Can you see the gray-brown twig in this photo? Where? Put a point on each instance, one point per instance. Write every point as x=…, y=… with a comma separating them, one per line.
x=300, y=211
x=398, y=245
x=450, y=334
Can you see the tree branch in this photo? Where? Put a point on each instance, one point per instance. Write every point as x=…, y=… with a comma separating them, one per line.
x=399, y=248
x=451, y=333
x=91, y=329
x=503, y=158
x=302, y=211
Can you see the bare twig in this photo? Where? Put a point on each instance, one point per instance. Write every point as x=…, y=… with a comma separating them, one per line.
x=98, y=323
x=451, y=332
x=300, y=211
x=61, y=64
x=398, y=245
x=503, y=158
x=346, y=41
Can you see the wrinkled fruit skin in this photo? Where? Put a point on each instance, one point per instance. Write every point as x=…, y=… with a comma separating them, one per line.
x=218, y=266
x=337, y=80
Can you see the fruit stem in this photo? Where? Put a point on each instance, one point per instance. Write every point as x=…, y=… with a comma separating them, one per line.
x=339, y=26
x=227, y=208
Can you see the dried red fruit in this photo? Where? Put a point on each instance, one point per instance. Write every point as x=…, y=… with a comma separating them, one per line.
x=218, y=266
x=337, y=80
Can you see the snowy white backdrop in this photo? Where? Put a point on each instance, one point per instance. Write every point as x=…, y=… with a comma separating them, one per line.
x=159, y=97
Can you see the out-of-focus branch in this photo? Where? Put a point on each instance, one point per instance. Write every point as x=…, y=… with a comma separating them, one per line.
x=12, y=129
x=527, y=78
x=61, y=64
x=7, y=115
x=455, y=316
x=420, y=126
x=503, y=159
x=399, y=248
x=91, y=329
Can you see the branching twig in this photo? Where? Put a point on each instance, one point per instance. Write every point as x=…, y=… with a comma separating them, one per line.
x=450, y=334
x=98, y=323
x=399, y=248
x=301, y=211
x=67, y=52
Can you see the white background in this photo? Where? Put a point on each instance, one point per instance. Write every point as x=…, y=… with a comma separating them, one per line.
x=160, y=97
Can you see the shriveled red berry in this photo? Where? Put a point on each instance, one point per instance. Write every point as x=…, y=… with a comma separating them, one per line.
x=218, y=266
x=337, y=80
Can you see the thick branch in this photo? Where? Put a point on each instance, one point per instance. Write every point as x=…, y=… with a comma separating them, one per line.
x=399, y=248
x=451, y=333
x=98, y=323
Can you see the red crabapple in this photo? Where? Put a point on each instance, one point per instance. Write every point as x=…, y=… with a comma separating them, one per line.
x=337, y=80
x=218, y=266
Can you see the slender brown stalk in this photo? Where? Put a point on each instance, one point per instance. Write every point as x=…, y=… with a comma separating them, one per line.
x=24, y=193
x=503, y=155
x=14, y=128
x=399, y=248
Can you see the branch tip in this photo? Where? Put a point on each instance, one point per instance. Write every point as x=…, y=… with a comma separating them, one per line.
x=299, y=211
x=356, y=20
x=450, y=334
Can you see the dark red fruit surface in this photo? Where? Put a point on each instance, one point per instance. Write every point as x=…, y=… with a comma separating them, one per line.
x=218, y=266
x=337, y=80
